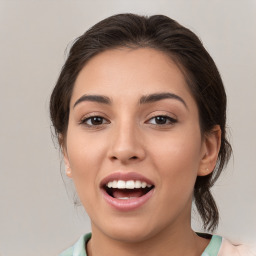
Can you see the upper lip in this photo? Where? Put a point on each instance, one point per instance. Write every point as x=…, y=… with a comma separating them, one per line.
x=125, y=176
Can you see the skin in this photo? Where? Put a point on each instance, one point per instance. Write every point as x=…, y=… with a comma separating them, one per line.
x=130, y=140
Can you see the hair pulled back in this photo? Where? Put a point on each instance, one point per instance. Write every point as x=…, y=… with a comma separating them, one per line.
x=186, y=50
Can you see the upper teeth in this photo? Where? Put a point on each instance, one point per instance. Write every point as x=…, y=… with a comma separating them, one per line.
x=130, y=184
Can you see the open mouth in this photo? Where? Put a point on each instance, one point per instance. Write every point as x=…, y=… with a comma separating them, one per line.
x=130, y=189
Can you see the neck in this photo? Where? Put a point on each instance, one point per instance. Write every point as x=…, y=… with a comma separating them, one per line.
x=170, y=241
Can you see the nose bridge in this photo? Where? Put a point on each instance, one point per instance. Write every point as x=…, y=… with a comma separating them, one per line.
x=126, y=141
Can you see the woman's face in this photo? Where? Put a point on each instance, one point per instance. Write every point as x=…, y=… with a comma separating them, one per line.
x=133, y=123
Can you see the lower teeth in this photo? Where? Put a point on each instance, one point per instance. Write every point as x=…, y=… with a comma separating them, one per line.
x=125, y=198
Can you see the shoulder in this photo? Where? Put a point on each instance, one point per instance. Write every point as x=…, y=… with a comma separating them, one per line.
x=228, y=249
x=68, y=252
x=78, y=249
x=220, y=246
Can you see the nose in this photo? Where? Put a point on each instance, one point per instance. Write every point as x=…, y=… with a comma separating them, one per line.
x=127, y=144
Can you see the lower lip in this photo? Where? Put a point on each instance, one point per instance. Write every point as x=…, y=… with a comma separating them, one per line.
x=127, y=204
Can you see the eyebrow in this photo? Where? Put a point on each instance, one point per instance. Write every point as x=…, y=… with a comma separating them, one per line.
x=143, y=100
x=161, y=96
x=94, y=98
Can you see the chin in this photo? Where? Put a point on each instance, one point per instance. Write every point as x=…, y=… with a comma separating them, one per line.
x=130, y=235
x=131, y=230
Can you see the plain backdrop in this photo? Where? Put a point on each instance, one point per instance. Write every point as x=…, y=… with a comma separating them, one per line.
x=37, y=217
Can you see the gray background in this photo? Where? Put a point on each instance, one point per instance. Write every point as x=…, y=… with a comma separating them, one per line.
x=36, y=215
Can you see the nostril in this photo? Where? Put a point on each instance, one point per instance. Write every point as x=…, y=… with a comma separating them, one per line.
x=130, y=158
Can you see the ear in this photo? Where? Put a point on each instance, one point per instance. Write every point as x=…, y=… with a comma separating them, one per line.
x=65, y=157
x=210, y=151
x=67, y=164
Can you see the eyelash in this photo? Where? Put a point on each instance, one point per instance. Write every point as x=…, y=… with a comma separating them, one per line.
x=168, y=121
x=91, y=125
x=166, y=118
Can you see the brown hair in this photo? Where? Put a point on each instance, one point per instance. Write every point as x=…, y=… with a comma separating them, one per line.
x=183, y=47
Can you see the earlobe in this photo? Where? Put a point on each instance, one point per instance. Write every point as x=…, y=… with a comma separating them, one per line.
x=68, y=169
x=210, y=151
x=68, y=172
x=66, y=161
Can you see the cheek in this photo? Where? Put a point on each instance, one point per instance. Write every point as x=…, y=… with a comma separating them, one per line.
x=178, y=158
x=84, y=150
x=85, y=155
x=179, y=149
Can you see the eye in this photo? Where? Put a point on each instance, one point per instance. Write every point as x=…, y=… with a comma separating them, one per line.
x=94, y=121
x=162, y=120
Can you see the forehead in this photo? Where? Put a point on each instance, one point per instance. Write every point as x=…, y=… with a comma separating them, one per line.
x=130, y=73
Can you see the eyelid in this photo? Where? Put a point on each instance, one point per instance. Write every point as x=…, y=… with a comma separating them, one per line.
x=172, y=118
x=156, y=113
x=94, y=113
x=86, y=117
x=91, y=117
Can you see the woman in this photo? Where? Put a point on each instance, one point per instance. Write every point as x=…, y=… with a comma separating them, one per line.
x=139, y=110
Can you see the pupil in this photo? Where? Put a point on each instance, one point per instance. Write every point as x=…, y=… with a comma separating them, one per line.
x=96, y=120
x=160, y=120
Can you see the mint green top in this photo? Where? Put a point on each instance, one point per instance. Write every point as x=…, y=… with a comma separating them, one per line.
x=78, y=249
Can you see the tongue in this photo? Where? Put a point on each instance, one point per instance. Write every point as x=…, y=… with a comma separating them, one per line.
x=123, y=193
